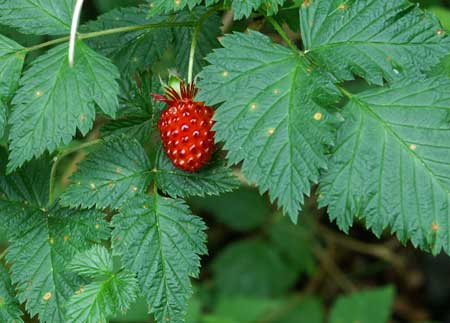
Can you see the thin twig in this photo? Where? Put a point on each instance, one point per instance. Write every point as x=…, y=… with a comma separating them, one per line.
x=333, y=270
x=375, y=250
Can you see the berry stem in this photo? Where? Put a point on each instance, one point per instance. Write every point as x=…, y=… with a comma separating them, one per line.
x=195, y=35
x=58, y=158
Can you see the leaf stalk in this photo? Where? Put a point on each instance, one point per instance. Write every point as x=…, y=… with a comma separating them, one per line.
x=283, y=34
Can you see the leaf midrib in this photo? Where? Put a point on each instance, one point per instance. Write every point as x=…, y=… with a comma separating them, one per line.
x=366, y=107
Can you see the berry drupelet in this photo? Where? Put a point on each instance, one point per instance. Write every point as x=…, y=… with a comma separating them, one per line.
x=185, y=128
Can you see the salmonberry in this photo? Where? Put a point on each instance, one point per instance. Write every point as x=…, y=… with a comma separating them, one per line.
x=185, y=128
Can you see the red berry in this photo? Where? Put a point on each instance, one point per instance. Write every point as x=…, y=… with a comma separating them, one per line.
x=185, y=128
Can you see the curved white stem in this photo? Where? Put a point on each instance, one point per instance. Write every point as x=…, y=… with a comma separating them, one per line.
x=73, y=31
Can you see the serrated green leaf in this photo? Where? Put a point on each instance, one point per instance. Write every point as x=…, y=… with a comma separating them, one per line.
x=374, y=39
x=11, y=63
x=134, y=50
x=55, y=100
x=391, y=163
x=40, y=249
x=28, y=184
x=93, y=263
x=251, y=268
x=138, y=50
x=115, y=172
x=269, y=119
x=160, y=240
x=137, y=127
x=109, y=294
x=162, y=6
x=3, y=120
x=359, y=307
x=244, y=8
x=9, y=306
x=213, y=179
x=241, y=8
x=39, y=17
x=137, y=116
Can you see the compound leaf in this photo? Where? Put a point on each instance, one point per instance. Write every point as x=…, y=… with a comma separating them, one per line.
x=55, y=100
x=374, y=39
x=160, y=240
x=109, y=176
x=269, y=119
x=110, y=293
x=40, y=249
x=39, y=17
x=391, y=163
x=9, y=306
x=11, y=63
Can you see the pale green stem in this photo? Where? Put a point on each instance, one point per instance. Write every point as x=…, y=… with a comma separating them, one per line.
x=112, y=31
x=194, y=41
x=283, y=35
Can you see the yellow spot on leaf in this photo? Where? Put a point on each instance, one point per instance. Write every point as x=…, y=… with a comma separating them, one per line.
x=82, y=118
x=440, y=32
x=145, y=206
x=276, y=91
x=97, y=226
x=435, y=226
x=118, y=170
x=177, y=2
x=271, y=131
x=413, y=147
x=66, y=238
x=38, y=93
x=343, y=6
x=306, y=3
x=253, y=106
x=47, y=296
x=318, y=116
x=80, y=291
x=92, y=185
x=225, y=74
x=51, y=241
x=134, y=189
